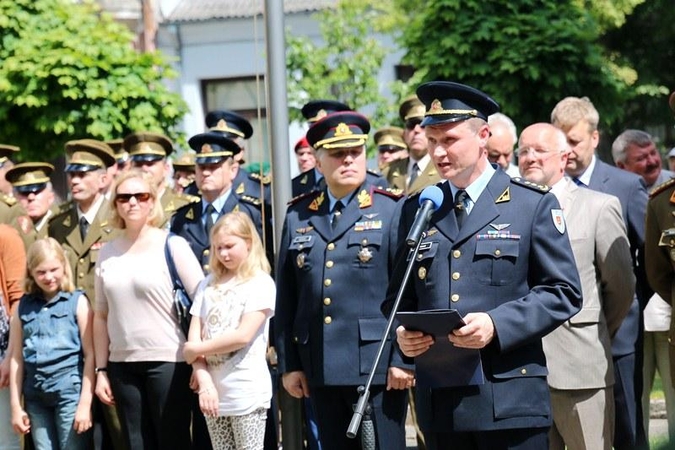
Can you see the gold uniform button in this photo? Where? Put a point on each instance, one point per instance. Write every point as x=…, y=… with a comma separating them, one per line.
x=523, y=371
x=454, y=297
x=81, y=275
x=364, y=242
x=295, y=339
x=331, y=246
x=498, y=252
x=327, y=320
x=81, y=260
x=206, y=252
x=456, y=254
x=455, y=276
x=329, y=264
x=327, y=282
x=206, y=267
x=326, y=301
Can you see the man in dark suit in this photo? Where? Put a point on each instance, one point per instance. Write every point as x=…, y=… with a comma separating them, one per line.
x=579, y=119
x=335, y=259
x=510, y=275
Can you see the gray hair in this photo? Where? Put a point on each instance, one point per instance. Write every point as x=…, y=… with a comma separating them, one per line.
x=503, y=119
x=626, y=139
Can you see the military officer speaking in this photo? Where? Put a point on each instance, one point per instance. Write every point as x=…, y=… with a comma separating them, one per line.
x=335, y=260
x=148, y=152
x=498, y=254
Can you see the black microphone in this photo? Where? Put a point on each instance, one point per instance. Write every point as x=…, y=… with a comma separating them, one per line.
x=431, y=199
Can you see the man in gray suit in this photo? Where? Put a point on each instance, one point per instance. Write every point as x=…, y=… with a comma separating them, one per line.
x=581, y=394
x=579, y=119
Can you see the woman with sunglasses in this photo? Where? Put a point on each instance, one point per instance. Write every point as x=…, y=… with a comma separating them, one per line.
x=138, y=344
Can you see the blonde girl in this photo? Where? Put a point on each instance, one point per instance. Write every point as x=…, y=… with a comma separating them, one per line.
x=52, y=362
x=228, y=336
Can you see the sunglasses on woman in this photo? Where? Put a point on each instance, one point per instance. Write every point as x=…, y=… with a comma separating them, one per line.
x=126, y=198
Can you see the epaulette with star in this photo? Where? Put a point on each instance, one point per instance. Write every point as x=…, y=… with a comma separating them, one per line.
x=264, y=179
x=8, y=199
x=189, y=198
x=541, y=188
x=394, y=193
x=661, y=187
x=297, y=198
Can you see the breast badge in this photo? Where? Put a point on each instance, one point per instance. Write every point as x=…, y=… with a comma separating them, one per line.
x=300, y=260
x=365, y=255
x=422, y=273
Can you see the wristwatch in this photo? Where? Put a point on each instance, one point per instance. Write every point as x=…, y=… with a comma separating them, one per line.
x=100, y=369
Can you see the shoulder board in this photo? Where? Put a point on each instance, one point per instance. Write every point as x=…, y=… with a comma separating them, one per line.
x=390, y=192
x=542, y=188
x=374, y=172
x=255, y=176
x=661, y=187
x=252, y=200
x=64, y=207
x=296, y=199
x=189, y=198
x=9, y=200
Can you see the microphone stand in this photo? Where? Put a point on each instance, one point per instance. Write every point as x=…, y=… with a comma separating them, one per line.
x=364, y=391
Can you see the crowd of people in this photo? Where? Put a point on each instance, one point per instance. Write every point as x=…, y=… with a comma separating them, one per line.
x=559, y=264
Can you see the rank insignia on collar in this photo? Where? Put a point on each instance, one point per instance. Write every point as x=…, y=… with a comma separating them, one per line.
x=304, y=179
x=505, y=197
x=236, y=208
x=364, y=198
x=66, y=223
x=241, y=188
x=314, y=206
x=304, y=230
x=558, y=220
x=190, y=214
x=300, y=260
x=365, y=255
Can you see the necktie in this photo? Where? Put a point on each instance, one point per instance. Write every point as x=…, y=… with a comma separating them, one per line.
x=210, y=210
x=84, y=227
x=460, y=206
x=414, y=173
x=337, y=212
x=578, y=182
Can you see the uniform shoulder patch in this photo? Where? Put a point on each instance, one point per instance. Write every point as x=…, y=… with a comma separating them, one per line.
x=298, y=198
x=255, y=176
x=394, y=193
x=661, y=187
x=542, y=188
x=187, y=198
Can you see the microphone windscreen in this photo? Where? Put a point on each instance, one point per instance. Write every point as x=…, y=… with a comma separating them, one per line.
x=433, y=193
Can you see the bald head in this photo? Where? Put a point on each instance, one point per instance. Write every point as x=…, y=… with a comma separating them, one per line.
x=543, y=152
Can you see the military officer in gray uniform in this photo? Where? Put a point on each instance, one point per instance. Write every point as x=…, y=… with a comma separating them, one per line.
x=215, y=172
x=496, y=251
x=35, y=194
x=335, y=260
x=148, y=152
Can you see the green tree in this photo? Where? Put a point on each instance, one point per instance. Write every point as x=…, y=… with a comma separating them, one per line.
x=527, y=54
x=68, y=72
x=345, y=65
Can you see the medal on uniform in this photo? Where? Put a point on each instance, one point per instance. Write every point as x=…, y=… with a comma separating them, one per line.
x=365, y=255
x=300, y=260
x=422, y=273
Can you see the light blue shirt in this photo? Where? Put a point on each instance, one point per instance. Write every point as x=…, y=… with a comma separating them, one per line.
x=474, y=189
x=218, y=205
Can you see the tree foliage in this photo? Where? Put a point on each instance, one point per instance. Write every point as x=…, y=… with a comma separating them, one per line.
x=345, y=65
x=527, y=54
x=68, y=72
